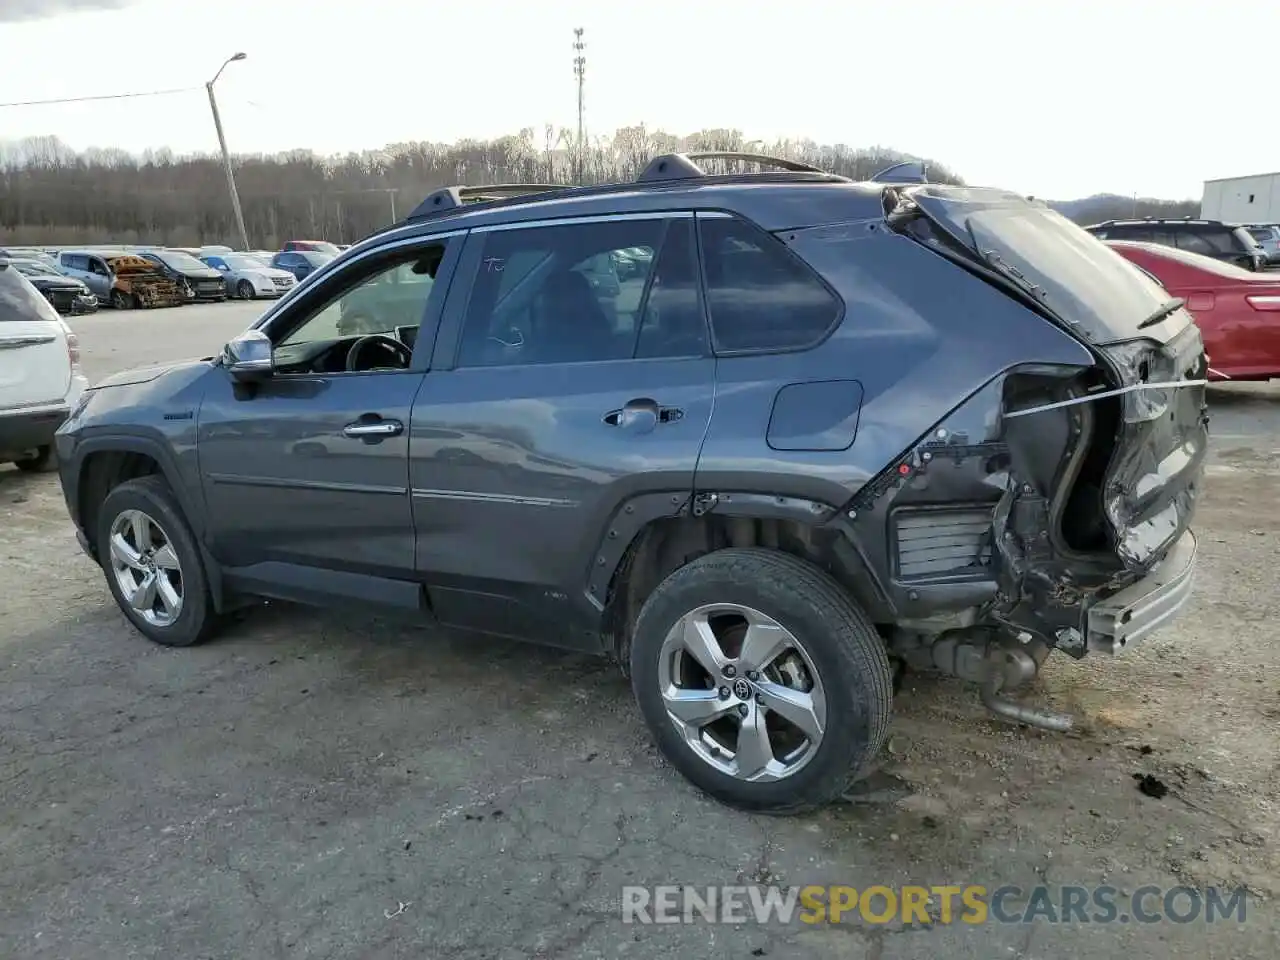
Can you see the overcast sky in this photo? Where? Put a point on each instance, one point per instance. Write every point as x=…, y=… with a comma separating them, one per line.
x=1057, y=98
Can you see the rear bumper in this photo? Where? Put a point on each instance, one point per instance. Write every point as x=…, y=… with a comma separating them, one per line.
x=25, y=429
x=1129, y=616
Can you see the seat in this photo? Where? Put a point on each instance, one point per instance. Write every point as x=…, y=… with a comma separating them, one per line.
x=572, y=325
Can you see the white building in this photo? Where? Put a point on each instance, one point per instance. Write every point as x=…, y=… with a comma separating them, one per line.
x=1242, y=199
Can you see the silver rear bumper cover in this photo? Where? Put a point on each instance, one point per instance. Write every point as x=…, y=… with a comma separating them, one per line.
x=1129, y=616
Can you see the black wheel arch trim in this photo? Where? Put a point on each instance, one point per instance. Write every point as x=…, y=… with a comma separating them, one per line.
x=629, y=520
x=192, y=508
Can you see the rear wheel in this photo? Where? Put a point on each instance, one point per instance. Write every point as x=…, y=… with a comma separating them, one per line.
x=153, y=566
x=121, y=300
x=244, y=290
x=43, y=460
x=761, y=680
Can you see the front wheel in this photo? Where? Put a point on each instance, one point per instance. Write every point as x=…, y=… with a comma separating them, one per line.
x=153, y=566
x=121, y=300
x=761, y=680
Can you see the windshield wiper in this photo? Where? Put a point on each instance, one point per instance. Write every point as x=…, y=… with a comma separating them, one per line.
x=1177, y=303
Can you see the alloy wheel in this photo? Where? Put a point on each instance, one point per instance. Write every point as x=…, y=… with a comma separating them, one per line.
x=743, y=692
x=146, y=568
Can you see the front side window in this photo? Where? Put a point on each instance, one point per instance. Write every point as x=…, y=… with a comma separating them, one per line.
x=556, y=294
x=759, y=295
x=388, y=299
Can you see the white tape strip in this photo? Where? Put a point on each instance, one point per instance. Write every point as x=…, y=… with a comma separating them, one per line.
x=1106, y=393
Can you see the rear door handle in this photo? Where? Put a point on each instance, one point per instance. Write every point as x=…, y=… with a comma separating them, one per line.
x=371, y=430
x=642, y=414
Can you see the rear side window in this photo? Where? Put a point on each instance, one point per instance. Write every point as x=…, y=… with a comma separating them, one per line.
x=1223, y=241
x=759, y=295
x=1244, y=239
x=19, y=300
x=1196, y=243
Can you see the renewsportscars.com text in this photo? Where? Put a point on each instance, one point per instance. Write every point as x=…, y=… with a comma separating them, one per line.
x=969, y=904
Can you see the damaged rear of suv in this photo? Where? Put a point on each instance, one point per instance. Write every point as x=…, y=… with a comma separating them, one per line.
x=823, y=432
x=1093, y=467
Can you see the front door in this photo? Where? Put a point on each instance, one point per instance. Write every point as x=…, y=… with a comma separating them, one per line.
x=309, y=469
x=566, y=398
x=98, y=278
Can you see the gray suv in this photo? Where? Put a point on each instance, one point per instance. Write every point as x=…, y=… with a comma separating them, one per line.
x=828, y=431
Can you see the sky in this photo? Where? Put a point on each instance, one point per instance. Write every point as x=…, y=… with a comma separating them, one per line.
x=1055, y=98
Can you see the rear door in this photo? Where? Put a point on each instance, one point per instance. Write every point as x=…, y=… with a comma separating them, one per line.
x=551, y=403
x=35, y=366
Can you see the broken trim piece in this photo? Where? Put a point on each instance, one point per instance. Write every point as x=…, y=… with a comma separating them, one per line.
x=1105, y=393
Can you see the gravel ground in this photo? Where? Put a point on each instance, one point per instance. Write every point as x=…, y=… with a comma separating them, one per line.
x=319, y=785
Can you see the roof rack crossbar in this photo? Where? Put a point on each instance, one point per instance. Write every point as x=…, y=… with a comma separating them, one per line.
x=450, y=198
x=684, y=166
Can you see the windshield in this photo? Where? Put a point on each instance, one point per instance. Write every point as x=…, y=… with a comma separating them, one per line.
x=242, y=262
x=182, y=262
x=314, y=258
x=33, y=268
x=1084, y=283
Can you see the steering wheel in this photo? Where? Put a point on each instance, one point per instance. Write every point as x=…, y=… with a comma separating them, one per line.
x=385, y=341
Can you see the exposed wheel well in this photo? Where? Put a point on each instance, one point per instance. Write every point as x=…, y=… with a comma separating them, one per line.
x=101, y=473
x=667, y=544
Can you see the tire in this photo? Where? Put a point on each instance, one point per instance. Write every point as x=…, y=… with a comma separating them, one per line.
x=244, y=290
x=44, y=461
x=151, y=497
x=122, y=301
x=846, y=659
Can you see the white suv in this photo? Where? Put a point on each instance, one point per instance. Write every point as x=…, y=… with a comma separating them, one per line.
x=40, y=378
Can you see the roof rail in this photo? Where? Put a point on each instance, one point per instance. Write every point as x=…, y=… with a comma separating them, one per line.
x=450, y=198
x=908, y=171
x=684, y=166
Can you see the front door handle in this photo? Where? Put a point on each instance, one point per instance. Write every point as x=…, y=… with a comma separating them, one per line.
x=371, y=430
x=642, y=415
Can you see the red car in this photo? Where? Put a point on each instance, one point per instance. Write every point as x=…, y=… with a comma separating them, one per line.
x=1238, y=311
x=313, y=246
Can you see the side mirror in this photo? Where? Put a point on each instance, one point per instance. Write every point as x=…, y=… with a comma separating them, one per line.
x=248, y=357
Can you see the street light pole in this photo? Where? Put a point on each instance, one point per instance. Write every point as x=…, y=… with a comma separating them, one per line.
x=226, y=156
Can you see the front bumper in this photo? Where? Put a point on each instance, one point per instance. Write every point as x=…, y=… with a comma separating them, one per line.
x=1130, y=615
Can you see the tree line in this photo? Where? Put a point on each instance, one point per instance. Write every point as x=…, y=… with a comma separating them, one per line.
x=51, y=194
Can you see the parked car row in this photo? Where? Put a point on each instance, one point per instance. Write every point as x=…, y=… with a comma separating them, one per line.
x=1237, y=310
x=1228, y=242
x=79, y=280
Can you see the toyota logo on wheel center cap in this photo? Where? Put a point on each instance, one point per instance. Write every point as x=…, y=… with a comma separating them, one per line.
x=741, y=689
